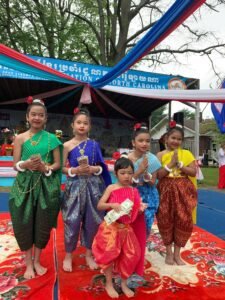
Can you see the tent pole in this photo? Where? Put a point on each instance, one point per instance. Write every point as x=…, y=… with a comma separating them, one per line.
x=150, y=123
x=197, y=113
x=197, y=117
x=169, y=112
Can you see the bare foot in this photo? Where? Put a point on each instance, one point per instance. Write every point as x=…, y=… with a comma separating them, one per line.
x=111, y=291
x=179, y=261
x=128, y=292
x=67, y=262
x=40, y=270
x=91, y=263
x=169, y=260
x=29, y=273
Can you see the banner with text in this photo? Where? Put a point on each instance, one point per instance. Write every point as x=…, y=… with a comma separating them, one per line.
x=89, y=73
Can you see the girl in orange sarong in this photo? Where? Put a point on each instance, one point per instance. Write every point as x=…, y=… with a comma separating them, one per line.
x=178, y=195
x=116, y=247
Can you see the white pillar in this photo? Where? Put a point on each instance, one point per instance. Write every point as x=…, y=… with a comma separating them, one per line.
x=169, y=112
x=197, y=114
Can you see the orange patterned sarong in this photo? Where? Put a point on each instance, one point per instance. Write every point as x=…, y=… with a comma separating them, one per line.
x=178, y=197
x=117, y=244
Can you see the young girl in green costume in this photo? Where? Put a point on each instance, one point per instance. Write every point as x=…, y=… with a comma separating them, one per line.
x=35, y=196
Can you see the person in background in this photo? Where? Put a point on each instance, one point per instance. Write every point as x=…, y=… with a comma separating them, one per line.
x=7, y=142
x=34, y=201
x=205, y=160
x=221, y=161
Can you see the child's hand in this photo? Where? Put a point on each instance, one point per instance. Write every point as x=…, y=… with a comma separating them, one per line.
x=174, y=159
x=116, y=206
x=93, y=169
x=83, y=170
x=41, y=167
x=152, y=181
x=35, y=157
x=143, y=165
x=143, y=207
x=32, y=165
x=89, y=170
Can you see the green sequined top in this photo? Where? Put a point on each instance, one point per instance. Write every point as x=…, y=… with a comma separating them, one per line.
x=29, y=187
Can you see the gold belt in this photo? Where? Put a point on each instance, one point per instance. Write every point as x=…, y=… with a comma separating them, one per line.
x=121, y=225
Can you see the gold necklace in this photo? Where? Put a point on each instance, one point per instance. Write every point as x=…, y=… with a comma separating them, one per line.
x=82, y=150
x=34, y=143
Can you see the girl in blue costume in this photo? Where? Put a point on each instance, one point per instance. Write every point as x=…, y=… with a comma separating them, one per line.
x=87, y=179
x=34, y=200
x=146, y=165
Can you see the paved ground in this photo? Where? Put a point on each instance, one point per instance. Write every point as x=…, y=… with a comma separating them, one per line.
x=211, y=188
x=211, y=211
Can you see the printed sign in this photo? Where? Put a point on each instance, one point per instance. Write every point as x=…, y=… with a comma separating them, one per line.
x=90, y=73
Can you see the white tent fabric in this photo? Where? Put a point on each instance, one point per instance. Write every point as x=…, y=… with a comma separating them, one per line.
x=217, y=95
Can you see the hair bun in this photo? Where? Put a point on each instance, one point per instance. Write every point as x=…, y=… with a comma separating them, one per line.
x=76, y=110
x=139, y=126
x=38, y=101
x=29, y=100
x=81, y=110
x=172, y=124
x=116, y=155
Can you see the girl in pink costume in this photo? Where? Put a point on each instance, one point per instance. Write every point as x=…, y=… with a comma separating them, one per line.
x=116, y=246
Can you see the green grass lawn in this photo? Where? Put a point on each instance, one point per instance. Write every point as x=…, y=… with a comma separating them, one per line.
x=210, y=176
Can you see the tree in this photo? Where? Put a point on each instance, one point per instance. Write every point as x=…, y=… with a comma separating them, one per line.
x=158, y=115
x=39, y=27
x=188, y=114
x=99, y=32
x=209, y=125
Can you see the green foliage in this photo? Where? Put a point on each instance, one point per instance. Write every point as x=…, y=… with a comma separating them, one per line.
x=188, y=114
x=210, y=126
x=99, y=32
x=39, y=27
x=158, y=115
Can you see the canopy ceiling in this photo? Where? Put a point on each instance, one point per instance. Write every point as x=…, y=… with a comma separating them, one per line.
x=138, y=107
